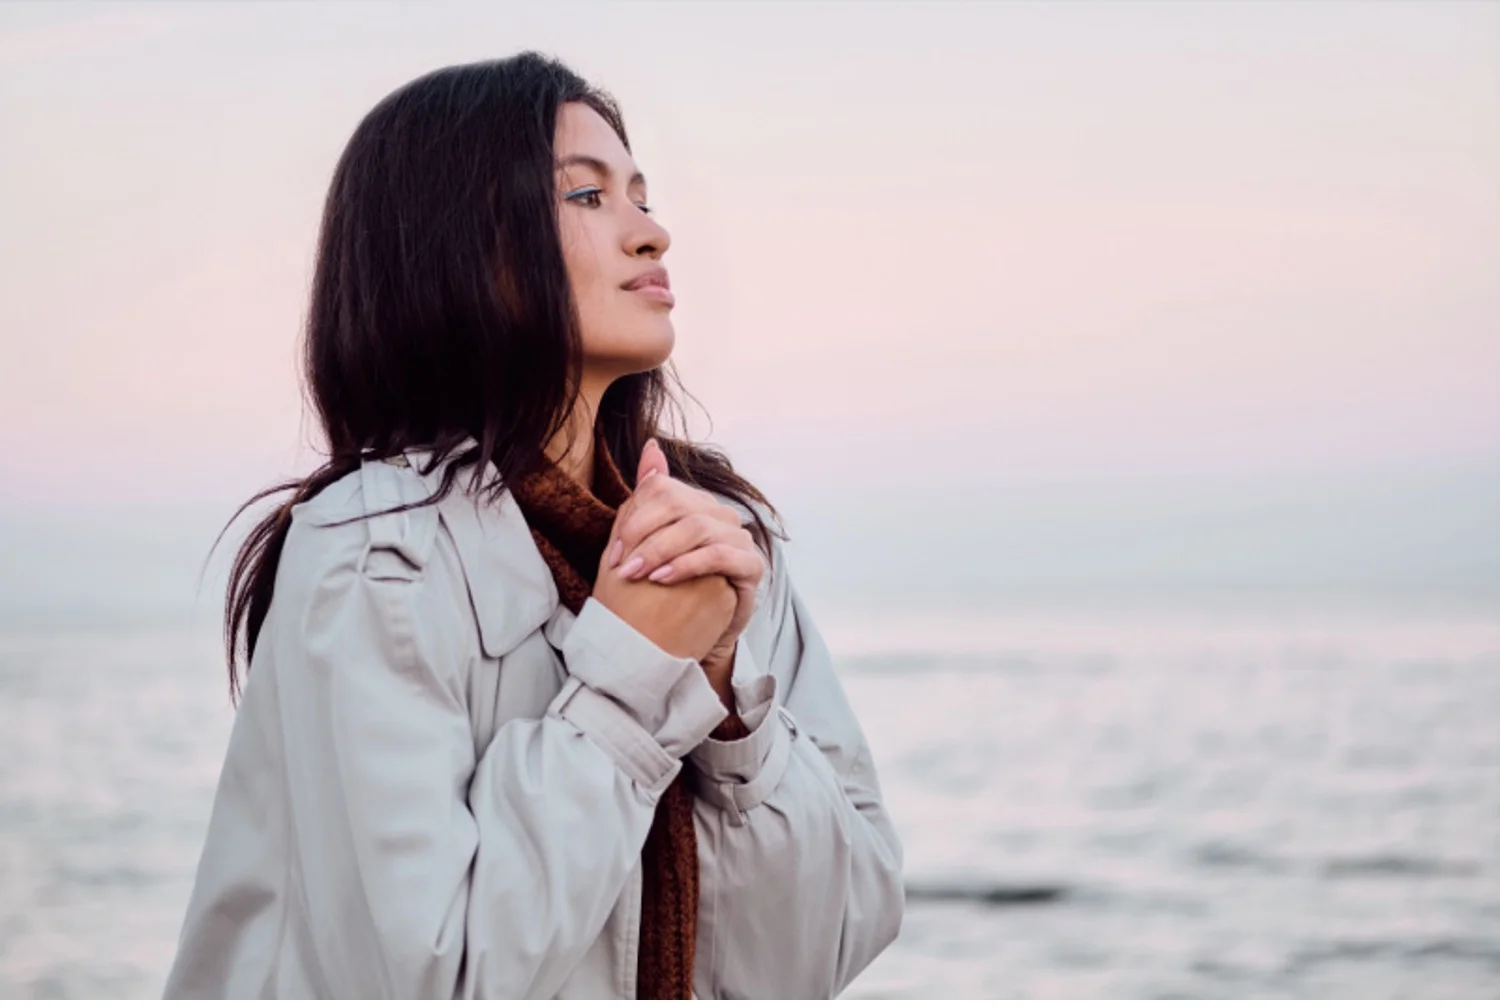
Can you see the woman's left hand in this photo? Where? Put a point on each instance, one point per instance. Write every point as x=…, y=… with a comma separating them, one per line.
x=669, y=532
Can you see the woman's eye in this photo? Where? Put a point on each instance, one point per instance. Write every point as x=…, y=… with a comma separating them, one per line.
x=587, y=197
x=643, y=208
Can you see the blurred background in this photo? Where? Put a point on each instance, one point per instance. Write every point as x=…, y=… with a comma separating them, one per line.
x=1128, y=375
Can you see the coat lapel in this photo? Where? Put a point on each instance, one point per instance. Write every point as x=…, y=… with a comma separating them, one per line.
x=509, y=584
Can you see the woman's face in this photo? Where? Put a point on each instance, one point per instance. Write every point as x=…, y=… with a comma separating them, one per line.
x=612, y=249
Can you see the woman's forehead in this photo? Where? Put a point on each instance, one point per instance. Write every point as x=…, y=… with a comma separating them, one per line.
x=582, y=130
x=584, y=139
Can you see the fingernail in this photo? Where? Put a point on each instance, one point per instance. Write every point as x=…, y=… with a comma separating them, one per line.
x=633, y=566
x=615, y=551
x=660, y=574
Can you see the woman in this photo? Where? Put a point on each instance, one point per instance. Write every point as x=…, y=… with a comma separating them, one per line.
x=532, y=709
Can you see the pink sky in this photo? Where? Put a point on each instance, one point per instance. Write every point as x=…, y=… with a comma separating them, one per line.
x=1033, y=240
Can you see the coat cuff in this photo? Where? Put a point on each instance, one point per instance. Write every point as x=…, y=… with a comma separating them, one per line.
x=738, y=775
x=667, y=698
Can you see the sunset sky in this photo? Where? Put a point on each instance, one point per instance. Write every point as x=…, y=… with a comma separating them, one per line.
x=934, y=245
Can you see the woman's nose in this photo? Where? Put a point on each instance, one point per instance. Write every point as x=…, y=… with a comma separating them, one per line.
x=646, y=237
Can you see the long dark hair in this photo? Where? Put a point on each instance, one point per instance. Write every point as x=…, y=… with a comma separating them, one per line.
x=441, y=310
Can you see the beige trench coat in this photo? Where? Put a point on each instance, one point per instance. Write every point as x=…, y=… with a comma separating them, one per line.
x=439, y=780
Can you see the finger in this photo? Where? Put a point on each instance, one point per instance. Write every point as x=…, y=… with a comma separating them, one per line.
x=670, y=541
x=687, y=533
x=743, y=567
x=627, y=517
x=659, y=503
x=686, y=498
x=645, y=519
x=653, y=460
x=724, y=513
x=691, y=532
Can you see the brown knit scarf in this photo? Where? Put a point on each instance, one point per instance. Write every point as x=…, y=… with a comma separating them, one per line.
x=571, y=527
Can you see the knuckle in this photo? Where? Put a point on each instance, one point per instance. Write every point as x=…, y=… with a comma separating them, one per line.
x=626, y=533
x=649, y=495
x=642, y=515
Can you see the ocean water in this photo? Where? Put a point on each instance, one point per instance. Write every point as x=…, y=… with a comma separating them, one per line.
x=1112, y=800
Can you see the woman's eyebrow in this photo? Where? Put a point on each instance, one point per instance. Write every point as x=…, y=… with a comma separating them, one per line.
x=597, y=165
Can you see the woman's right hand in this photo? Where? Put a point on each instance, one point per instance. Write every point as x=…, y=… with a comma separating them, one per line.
x=685, y=619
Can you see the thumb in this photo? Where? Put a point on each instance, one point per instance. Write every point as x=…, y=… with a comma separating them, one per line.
x=653, y=459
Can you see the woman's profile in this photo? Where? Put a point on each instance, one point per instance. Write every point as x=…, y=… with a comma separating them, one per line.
x=530, y=706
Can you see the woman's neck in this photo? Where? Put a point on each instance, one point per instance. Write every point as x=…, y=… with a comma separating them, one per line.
x=575, y=459
x=572, y=449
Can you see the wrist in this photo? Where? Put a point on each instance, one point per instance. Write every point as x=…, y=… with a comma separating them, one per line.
x=718, y=667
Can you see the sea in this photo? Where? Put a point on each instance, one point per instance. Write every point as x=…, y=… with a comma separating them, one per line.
x=1120, y=798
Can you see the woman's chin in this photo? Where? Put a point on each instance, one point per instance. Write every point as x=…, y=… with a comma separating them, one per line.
x=643, y=350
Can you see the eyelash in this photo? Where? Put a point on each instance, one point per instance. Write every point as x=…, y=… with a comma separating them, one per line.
x=579, y=195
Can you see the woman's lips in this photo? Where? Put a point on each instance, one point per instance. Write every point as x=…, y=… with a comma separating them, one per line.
x=655, y=292
x=653, y=285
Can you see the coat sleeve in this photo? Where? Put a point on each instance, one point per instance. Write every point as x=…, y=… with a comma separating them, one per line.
x=801, y=883
x=431, y=870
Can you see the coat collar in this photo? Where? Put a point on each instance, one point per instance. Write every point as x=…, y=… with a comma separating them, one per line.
x=510, y=586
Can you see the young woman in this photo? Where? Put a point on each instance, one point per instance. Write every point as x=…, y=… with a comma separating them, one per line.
x=532, y=709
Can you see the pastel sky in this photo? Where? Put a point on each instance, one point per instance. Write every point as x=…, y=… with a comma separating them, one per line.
x=949, y=243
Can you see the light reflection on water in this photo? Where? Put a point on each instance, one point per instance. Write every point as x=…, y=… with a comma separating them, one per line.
x=1094, y=801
